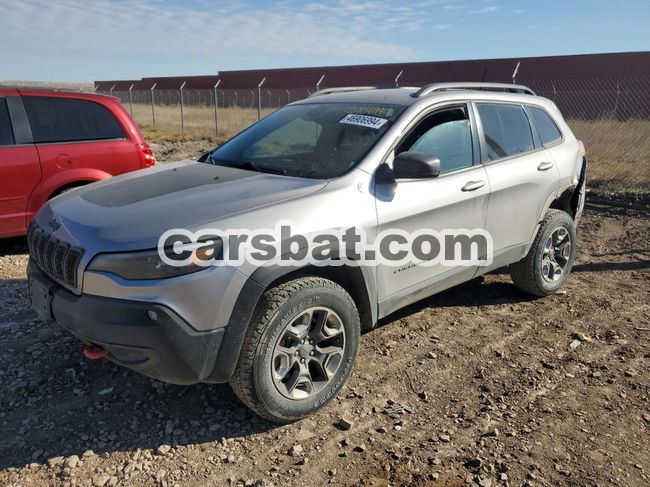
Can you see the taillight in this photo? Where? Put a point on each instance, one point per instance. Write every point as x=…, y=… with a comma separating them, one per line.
x=147, y=158
x=581, y=146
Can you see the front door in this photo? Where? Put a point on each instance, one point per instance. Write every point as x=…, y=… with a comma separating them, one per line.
x=456, y=199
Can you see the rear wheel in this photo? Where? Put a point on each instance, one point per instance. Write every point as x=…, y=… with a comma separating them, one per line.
x=549, y=261
x=299, y=349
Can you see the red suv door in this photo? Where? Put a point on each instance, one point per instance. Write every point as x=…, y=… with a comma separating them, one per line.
x=20, y=170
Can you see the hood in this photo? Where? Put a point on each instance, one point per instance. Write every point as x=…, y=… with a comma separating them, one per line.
x=131, y=211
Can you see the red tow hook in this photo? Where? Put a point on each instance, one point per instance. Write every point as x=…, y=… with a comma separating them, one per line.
x=95, y=352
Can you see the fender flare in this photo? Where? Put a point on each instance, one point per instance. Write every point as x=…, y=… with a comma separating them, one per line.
x=246, y=303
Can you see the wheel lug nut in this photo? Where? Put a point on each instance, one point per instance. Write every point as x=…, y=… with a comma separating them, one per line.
x=311, y=353
x=296, y=354
x=302, y=360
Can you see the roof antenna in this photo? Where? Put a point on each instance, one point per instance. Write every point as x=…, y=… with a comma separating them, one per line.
x=514, y=73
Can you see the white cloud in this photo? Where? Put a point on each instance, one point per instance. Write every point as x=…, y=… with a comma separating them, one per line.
x=219, y=29
x=518, y=11
x=485, y=10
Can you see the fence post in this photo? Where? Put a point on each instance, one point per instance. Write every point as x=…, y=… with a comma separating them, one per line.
x=131, y=99
x=111, y=90
x=288, y=97
x=554, y=91
x=397, y=78
x=216, y=108
x=153, y=112
x=319, y=82
x=618, y=94
x=514, y=73
x=181, y=93
x=259, y=98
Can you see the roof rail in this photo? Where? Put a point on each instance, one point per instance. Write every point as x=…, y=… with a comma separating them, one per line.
x=433, y=87
x=327, y=91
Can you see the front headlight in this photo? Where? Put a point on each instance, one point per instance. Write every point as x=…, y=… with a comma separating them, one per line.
x=147, y=264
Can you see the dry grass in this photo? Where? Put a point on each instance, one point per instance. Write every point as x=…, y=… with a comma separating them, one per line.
x=618, y=151
x=198, y=120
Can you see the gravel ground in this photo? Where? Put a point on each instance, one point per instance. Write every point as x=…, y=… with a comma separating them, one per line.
x=475, y=386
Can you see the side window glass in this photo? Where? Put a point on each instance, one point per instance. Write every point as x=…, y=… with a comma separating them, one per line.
x=55, y=119
x=446, y=135
x=297, y=137
x=546, y=128
x=506, y=130
x=6, y=134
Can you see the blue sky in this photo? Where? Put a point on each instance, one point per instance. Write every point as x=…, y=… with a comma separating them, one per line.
x=86, y=40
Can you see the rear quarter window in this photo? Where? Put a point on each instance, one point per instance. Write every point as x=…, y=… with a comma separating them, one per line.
x=70, y=120
x=546, y=127
x=6, y=134
x=506, y=129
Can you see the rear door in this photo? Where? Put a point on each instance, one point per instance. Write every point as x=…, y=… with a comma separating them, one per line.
x=20, y=171
x=522, y=175
x=74, y=133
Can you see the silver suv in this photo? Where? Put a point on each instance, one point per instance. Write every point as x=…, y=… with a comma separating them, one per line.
x=452, y=155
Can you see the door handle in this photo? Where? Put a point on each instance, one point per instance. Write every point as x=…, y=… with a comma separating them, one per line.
x=473, y=185
x=545, y=166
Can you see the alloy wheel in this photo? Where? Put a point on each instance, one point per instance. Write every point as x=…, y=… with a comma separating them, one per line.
x=308, y=353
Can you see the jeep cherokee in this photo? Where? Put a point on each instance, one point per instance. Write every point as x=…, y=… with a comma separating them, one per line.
x=455, y=155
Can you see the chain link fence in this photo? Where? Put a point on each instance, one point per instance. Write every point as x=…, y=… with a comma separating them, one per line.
x=611, y=116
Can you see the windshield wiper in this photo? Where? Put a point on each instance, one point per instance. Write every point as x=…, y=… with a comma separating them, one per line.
x=247, y=165
x=255, y=167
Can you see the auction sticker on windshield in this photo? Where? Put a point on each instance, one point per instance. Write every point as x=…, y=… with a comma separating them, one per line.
x=363, y=120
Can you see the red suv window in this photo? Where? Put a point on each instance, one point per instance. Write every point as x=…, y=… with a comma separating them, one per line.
x=69, y=120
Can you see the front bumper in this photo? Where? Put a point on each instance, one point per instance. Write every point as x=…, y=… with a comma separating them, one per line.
x=147, y=337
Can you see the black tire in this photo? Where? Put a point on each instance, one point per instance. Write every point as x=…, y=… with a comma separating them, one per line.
x=529, y=273
x=254, y=380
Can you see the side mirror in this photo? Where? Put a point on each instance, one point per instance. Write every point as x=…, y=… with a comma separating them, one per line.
x=415, y=165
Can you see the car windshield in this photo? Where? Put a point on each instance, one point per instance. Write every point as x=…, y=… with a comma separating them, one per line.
x=314, y=140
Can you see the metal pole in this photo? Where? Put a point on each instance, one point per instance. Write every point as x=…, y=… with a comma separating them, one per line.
x=397, y=78
x=131, y=99
x=259, y=98
x=288, y=97
x=514, y=73
x=319, y=82
x=182, y=121
x=216, y=108
x=153, y=112
x=554, y=91
x=111, y=90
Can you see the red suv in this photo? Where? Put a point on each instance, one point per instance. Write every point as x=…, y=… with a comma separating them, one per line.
x=54, y=141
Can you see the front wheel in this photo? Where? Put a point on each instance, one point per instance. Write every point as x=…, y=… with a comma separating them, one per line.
x=546, y=267
x=299, y=349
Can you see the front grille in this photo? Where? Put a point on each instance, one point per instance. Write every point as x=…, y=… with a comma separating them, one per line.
x=57, y=259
